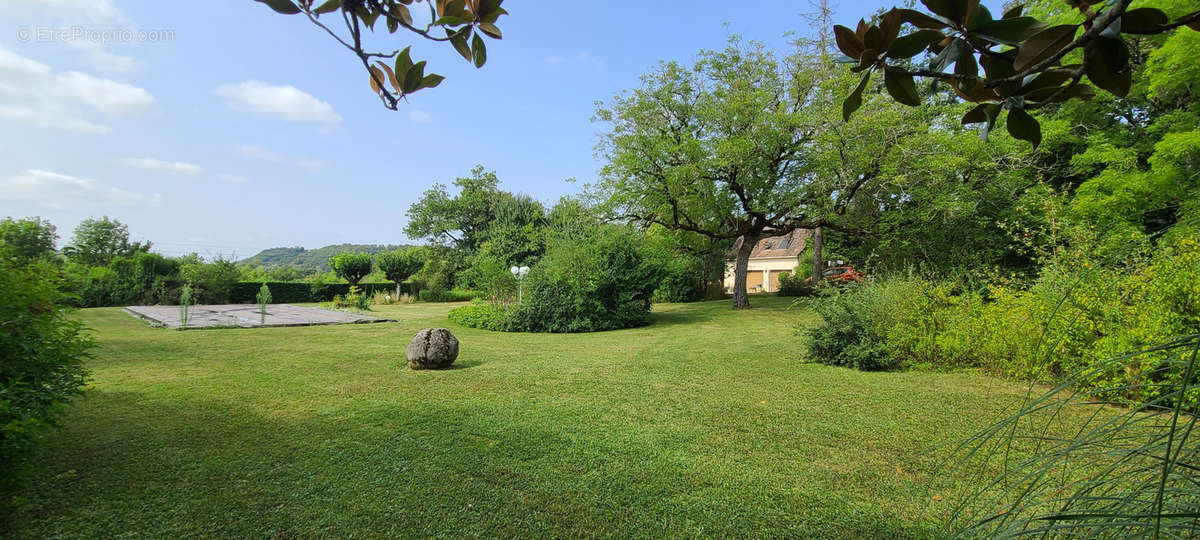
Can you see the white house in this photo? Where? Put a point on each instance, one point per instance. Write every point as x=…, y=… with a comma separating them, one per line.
x=770, y=258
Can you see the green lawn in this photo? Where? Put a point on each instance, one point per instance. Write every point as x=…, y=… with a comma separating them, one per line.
x=705, y=423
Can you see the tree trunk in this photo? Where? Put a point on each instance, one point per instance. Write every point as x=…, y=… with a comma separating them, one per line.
x=741, y=299
x=818, y=268
x=397, y=297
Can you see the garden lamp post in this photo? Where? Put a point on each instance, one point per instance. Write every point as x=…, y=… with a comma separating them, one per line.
x=519, y=273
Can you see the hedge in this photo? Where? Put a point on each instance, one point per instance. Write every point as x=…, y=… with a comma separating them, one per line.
x=284, y=292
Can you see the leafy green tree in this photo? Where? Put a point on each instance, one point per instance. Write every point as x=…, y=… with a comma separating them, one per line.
x=29, y=238
x=351, y=267
x=461, y=220
x=43, y=351
x=462, y=21
x=745, y=146
x=97, y=241
x=400, y=264
x=1027, y=64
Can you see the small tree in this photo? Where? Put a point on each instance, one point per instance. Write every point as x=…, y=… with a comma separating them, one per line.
x=264, y=298
x=351, y=267
x=398, y=265
x=185, y=300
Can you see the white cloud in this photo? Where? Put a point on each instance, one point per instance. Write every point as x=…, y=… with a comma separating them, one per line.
x=82, y=24
x=286, y=102
x=32, y=92
x=419, y=116
x=56, y=191
x=158, y=165
x=234, y=178
x=72, y=11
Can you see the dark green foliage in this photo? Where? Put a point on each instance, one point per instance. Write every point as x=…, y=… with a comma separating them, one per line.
x=351, y=267
x=212, y=282
x=309, y=261
x=395, y=79
x=790, y=285
x=400, y=264
x=851, y=336
x=603, y=283
x=439, y=271
x=27, y=238
x=42, y=350
x=1038, y=70
x=484, y=315
x=97, y=241
x=680, y=282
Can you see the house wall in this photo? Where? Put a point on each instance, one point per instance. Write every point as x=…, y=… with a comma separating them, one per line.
x=763, y=271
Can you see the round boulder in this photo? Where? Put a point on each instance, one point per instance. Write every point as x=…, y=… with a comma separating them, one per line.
x=432, y=348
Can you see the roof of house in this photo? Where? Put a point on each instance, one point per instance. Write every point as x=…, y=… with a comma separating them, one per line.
x=787, y=245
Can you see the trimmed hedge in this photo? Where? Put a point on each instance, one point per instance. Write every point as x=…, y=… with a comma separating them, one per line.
x=292, y=292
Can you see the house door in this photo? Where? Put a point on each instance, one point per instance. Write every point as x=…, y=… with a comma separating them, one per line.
x=754, y=280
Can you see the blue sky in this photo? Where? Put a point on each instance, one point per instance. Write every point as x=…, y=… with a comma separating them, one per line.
x=229, y=128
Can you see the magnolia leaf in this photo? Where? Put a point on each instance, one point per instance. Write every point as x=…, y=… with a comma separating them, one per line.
x=889, y=25
x=965, y=64
x=949, y=54
x=921, y=20
x=404, y=61
x=460, y=44
x=285, y=7
x=901, y=86
x=1107, y=66
x=976, y=15
x=432, y=80
x=912, y=44
x=848, y=41
x=976, y=115
x=1143, y=21
x=327, y=7
x=1013, y=12
x=401, y=12
x=873, y=39
x=412, y=79
x=854, y=100
x=1024, y=127
x=950, y=9
x=1011, y=31
x=1053, y=94
x=1043, y=45
x=869, y=57
x=491, y=30
x=391, y=76
x=478, y=51
x=376, y=75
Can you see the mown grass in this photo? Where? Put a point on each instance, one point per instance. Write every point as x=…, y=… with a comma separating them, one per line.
x=704, y=423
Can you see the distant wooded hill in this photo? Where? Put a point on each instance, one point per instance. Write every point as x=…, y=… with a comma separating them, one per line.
x=316, y=260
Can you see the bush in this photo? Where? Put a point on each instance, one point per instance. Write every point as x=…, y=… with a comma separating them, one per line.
x=790, y=285
x=680, y=282
x=588, y=285
x=43, y=352
x=485, y=315
x=852, y=335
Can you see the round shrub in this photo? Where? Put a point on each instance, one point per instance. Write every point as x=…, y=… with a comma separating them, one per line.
x=598, y=282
